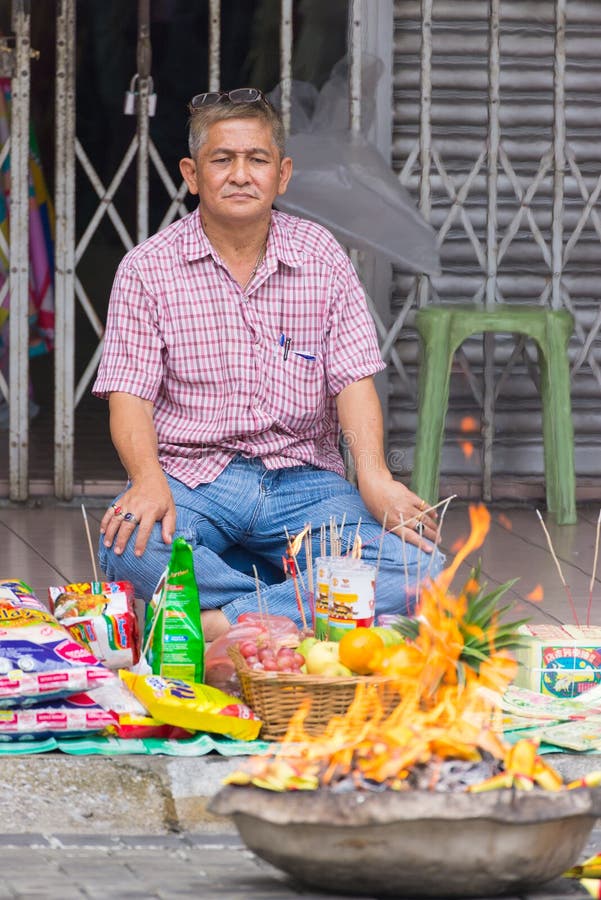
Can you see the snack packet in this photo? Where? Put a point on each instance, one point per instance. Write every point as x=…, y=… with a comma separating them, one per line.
x=131, y=718
x=174, y=634
x=100, y=615
x=67, y=717
x=39, y=660
x=193, y=706
x=131, y=727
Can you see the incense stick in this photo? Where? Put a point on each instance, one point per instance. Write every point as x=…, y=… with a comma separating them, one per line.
x=263, y=613
x=379, y=556
x=356, y=538
x=89, y=536
x=594, y=572
x=155, y=617
x=322, y=540
x=405, y=559
x=447, y=503
x=419, y=571
x=310, y=582
x=407, y=522
x=556, y=561
x=342, y=524
x=290, y=549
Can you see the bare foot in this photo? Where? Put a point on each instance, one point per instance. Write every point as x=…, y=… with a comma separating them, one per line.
x=214, y=624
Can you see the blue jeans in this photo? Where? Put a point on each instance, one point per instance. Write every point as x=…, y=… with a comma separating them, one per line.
x=251, y=507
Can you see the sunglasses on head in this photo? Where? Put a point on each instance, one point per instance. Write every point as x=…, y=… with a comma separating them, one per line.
x=239, y=95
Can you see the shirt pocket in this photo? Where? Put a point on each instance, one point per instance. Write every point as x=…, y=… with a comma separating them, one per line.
x=296, y=390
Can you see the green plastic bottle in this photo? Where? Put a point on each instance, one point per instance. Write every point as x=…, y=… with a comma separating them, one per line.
x=177, y=648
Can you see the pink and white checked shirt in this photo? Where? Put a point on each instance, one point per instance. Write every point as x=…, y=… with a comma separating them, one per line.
x=232, y=373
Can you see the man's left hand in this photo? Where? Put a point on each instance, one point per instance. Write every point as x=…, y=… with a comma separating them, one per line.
x=407, y=515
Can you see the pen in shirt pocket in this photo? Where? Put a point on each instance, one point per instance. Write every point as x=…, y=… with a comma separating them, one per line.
x=286, y=342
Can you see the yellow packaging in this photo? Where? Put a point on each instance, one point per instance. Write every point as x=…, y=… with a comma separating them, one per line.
x=196, y=707
x=559, y=660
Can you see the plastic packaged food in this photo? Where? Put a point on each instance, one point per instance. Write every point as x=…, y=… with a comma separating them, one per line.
x=130, y=727
x=100, y=615
x=219, y=667
x=68, y=717
x=39, y=660
x=196, y=707
x=173, y=624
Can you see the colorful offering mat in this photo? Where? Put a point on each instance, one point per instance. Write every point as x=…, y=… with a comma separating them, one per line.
x=95, y=745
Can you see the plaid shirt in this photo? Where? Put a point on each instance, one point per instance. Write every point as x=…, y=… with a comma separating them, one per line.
x=229, y=372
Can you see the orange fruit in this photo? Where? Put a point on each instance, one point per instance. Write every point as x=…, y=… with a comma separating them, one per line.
x=357, y=648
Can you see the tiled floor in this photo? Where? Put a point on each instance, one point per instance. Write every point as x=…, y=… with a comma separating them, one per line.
x=47, y=545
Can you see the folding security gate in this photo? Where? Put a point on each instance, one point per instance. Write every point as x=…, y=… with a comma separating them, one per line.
x=71, y=157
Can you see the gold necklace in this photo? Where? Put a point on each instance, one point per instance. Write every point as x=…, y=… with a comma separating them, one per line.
x=260, y=258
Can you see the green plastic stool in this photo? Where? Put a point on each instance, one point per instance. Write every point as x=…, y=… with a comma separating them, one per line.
x=442, y=330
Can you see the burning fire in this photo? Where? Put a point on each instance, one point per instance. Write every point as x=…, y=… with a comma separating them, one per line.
x=445, y=708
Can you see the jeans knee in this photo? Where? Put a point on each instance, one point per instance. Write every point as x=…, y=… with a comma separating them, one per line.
x=142, y=571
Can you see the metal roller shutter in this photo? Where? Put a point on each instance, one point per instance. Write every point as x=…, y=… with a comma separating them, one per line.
x=546, y=207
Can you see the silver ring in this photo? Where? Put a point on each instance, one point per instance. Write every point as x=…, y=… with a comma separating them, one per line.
x=129, y=517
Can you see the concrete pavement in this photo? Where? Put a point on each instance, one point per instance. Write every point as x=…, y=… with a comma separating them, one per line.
x=161, y=867
x=137, y=827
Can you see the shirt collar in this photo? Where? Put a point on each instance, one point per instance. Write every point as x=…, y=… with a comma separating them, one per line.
x=279, y=246
x=196, y=243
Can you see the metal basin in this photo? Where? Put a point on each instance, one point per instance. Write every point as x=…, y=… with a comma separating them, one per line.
x=415, y=843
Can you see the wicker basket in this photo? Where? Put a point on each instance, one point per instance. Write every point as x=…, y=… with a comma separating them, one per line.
x=276, y=696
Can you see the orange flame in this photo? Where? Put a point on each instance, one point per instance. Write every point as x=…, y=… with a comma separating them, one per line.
x=480, y=523
x=458, y=544
x=505, y=521
x=468, y=423
x=428, y=704
x=536, y=594
x=467, y=448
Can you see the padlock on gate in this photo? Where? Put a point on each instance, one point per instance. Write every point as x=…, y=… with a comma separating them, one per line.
x=130, y=104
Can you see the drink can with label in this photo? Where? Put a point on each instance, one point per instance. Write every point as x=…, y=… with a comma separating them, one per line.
x=352, y=596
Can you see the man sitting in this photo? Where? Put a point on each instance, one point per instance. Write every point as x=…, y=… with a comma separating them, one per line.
x=238, y=344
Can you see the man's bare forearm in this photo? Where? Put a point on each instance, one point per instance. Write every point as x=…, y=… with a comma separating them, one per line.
x=360, y=415
x=134, y=435
x=148, y=499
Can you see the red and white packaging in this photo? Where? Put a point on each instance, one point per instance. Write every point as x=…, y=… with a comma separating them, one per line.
x=67, y=717
x=39, y=659
x=100, y=615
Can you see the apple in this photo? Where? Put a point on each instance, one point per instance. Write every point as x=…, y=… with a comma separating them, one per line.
x=390, y=636
x=320, y=655
x=306, y=645
x=336, y=670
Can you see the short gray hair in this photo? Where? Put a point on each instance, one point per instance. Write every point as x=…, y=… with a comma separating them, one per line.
x=202, y=118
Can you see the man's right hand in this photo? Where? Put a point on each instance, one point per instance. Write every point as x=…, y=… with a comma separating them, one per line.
x=147, y=501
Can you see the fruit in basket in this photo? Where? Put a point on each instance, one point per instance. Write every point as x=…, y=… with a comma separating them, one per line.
x=336, y=670
x=305, y=645
x=390, y=636
x=321, y=655
x=358, y=647
x=261, y=657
